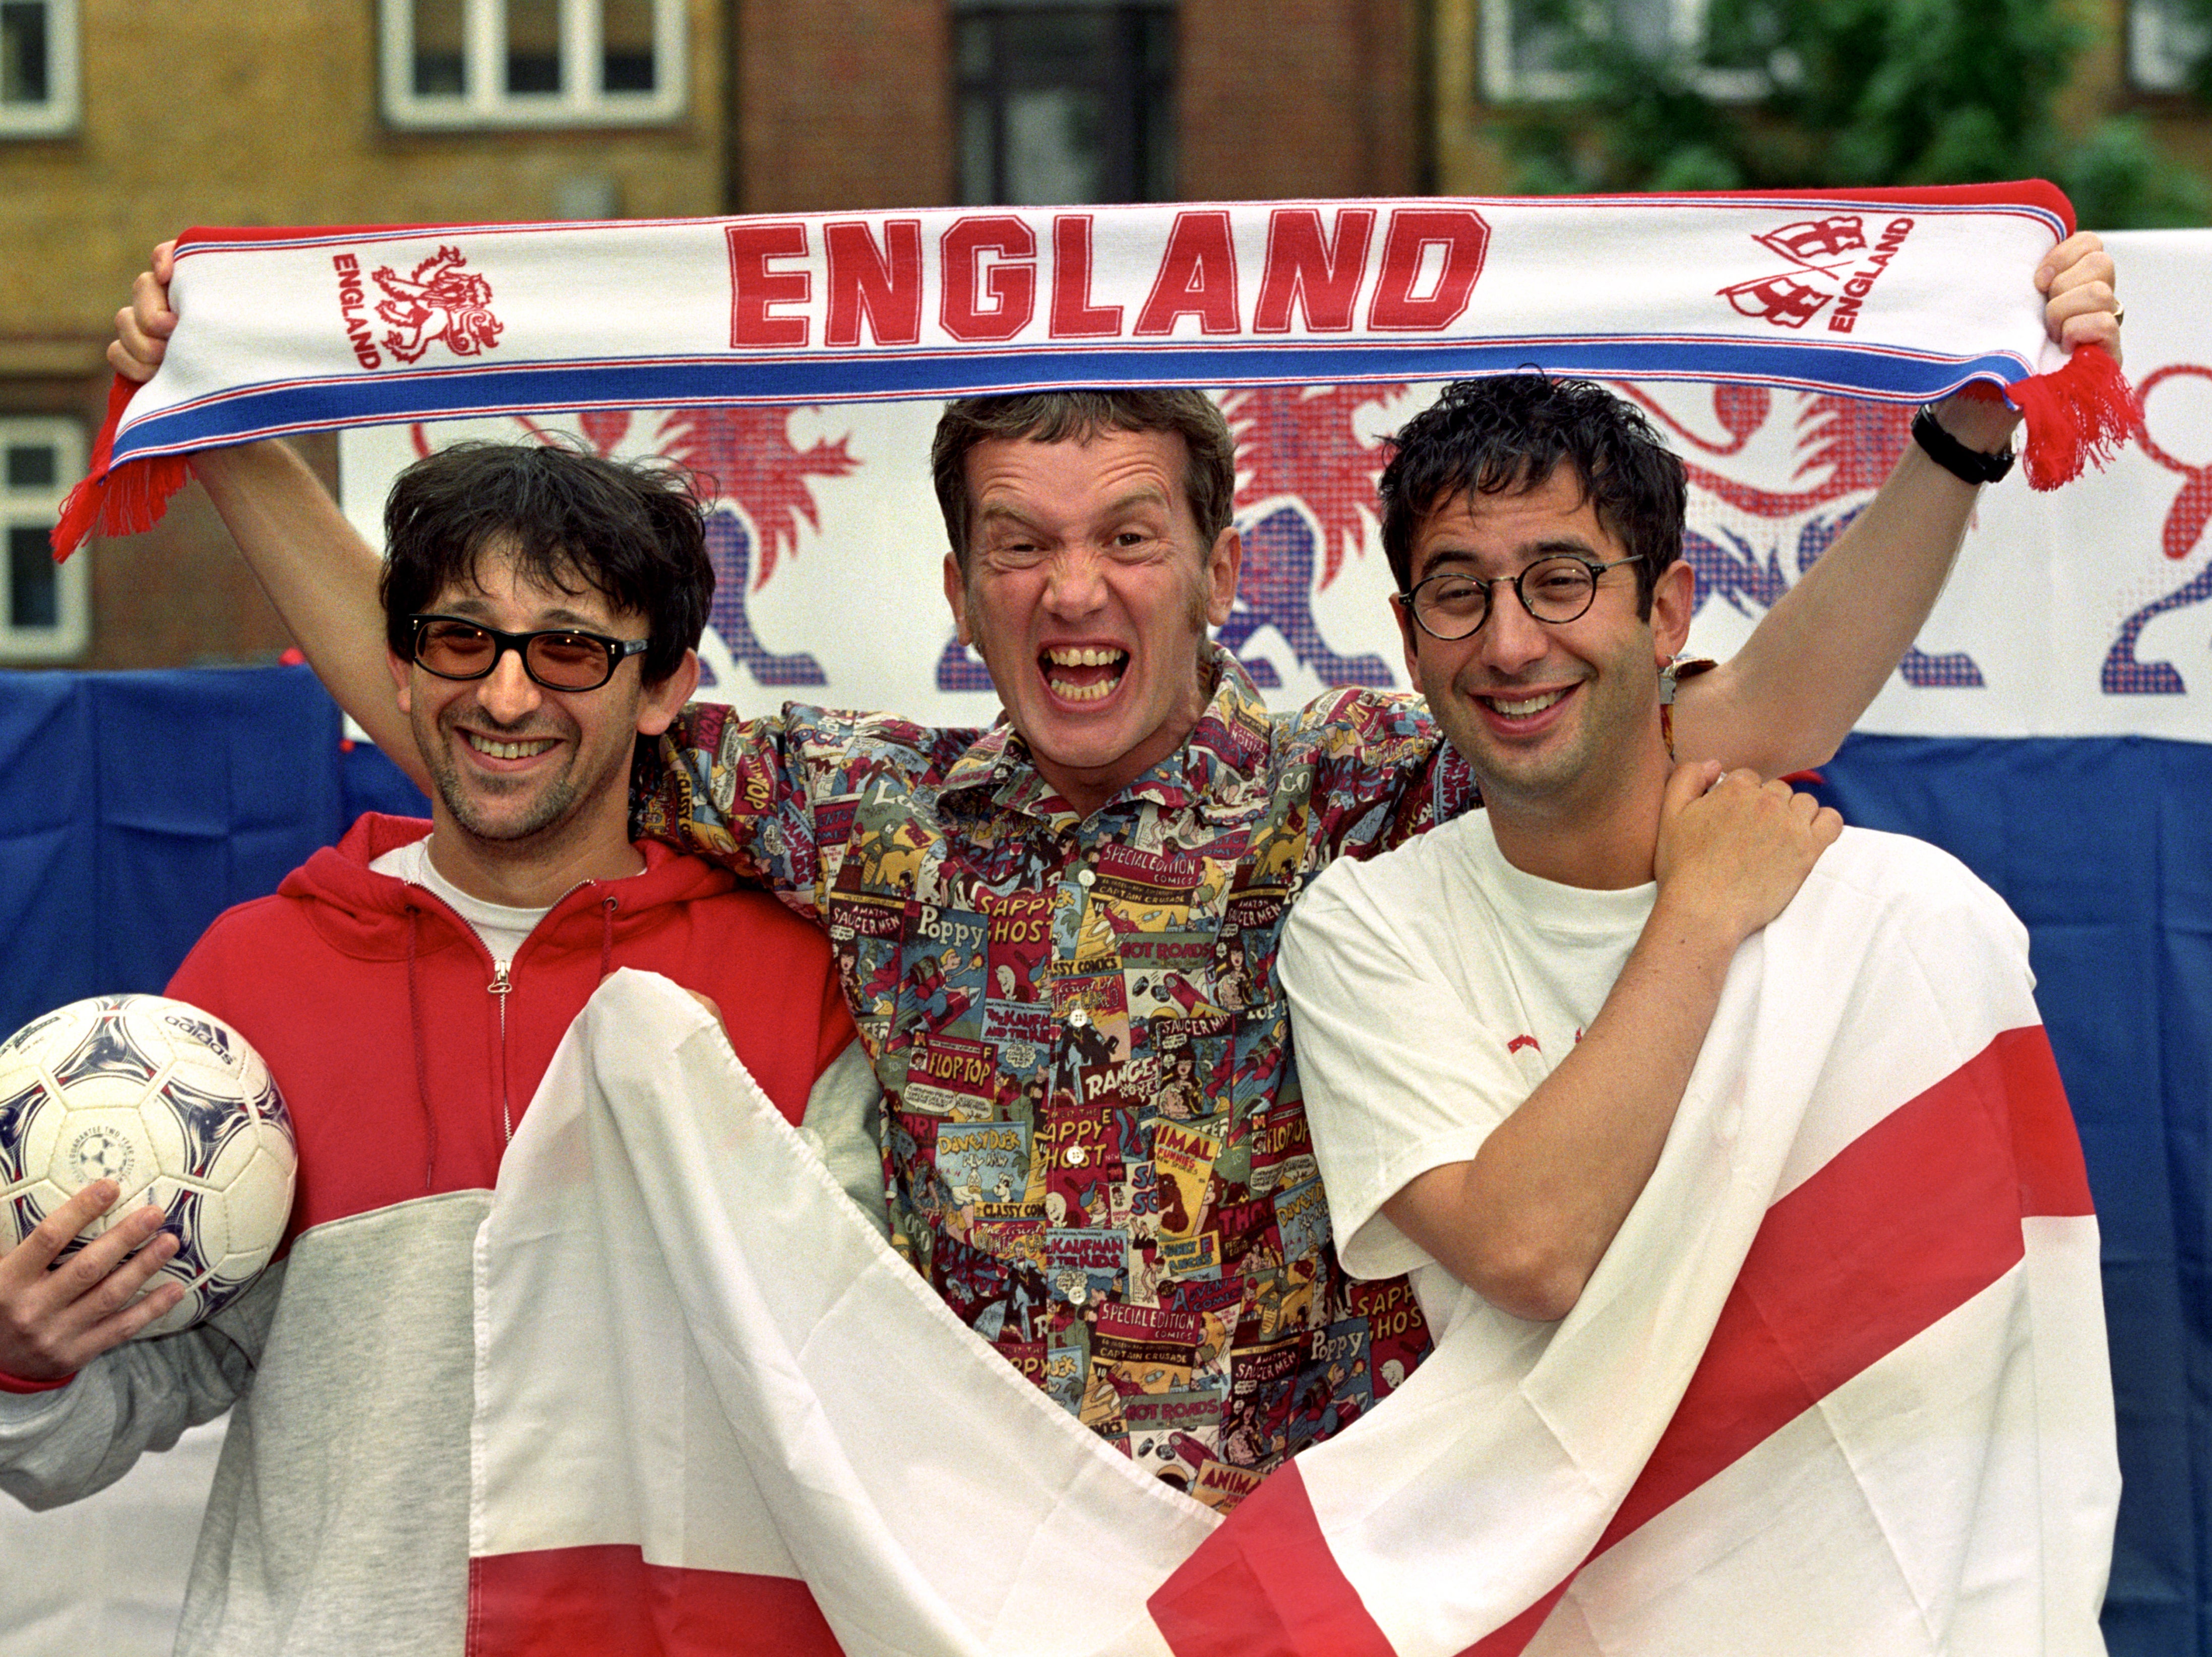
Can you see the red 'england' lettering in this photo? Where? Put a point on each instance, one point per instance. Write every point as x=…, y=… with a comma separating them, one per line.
x=1073, y=315
x=1010, y=280
x=1197, y=277
x=754, y=287
x=884, y=284
x=352, y=298
x=1303, y=269
x=1465, y=239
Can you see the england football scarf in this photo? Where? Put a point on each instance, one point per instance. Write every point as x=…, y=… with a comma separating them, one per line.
x=1838, y=1385
x=1900, y=295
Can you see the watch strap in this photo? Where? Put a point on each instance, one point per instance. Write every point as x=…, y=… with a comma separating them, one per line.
x=1967, y=465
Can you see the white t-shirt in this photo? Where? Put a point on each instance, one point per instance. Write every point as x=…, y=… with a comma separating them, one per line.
x=502, y=926
x=1432, y=989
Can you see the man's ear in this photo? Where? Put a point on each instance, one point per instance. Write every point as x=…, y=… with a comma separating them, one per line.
x=1222, y=562
x=956, y=594
x=1673, y=600
x=658, y=706
x=1402, y=611
x=400, y=675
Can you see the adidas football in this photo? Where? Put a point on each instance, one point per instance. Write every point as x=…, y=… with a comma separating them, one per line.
x=171, y=1104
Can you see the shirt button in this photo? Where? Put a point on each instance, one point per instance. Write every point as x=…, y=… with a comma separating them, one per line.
x=1078, y=1017
x=1077, y=1156
x=1086, y=877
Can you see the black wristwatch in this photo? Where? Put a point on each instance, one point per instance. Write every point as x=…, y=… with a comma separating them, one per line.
x=1967, y=465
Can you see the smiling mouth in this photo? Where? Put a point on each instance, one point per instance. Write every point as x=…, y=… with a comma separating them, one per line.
x=1083, y=673
x=493, y=748
x=1524, y=708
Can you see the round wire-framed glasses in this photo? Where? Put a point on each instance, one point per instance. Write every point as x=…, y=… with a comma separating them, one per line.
x=1556, y=589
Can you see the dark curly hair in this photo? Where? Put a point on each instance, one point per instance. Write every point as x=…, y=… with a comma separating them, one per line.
x=1508, y=433
x=629, y=531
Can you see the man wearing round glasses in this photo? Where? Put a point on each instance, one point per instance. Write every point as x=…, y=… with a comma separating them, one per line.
x=1531, y=650
x=1547, y=1071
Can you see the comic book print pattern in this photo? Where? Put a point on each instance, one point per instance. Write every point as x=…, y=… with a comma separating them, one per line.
x=1095, y=1143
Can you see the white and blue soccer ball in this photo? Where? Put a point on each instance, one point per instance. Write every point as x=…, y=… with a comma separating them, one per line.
x=172, y=1105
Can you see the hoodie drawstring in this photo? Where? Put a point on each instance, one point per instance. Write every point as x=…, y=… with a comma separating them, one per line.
x=422, y=1051
x=606, y=936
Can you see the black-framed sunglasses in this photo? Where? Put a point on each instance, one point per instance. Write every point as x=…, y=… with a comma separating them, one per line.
x=559, y=658
x=1556, y=589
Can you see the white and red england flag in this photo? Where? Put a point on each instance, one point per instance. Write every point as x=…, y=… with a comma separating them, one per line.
x=1839, y=1386
x=715, y=1412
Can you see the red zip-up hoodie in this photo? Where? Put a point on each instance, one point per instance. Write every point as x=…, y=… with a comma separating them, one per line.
x=406, y=1062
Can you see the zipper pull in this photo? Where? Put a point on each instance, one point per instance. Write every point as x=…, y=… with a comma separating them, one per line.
x=501, y=983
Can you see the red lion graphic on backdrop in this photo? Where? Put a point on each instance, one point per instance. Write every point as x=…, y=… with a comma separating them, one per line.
x=440, y=300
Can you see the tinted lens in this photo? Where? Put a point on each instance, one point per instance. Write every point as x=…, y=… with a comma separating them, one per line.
x=567, y=661
x=453, y=648
x=1558, y=589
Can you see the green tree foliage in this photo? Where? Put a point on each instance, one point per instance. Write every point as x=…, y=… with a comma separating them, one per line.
x=1807, y=93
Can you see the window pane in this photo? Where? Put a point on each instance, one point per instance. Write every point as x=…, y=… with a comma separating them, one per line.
x=441, y=64
x=1066, y=102
x=1044, y=48
x=1053, y=152
x=33, y=592
x=977, y=183
x=23, y=78
x=626, y=36
x=32, y=466
x=1157, y=174
x=974, y=49
x=2163, y=42
x=1157, y=29
x=534, y=46
x=1647, y=26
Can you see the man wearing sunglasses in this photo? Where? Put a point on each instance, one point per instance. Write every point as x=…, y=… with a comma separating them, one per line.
x=407, y=988
x=1504, y=1023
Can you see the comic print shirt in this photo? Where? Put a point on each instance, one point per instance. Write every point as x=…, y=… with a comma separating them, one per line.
x=1095, y=1144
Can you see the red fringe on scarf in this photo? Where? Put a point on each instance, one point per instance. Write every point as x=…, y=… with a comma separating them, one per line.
x=2081, y=415
x=123, y=500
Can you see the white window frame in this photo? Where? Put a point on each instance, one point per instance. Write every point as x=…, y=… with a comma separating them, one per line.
x=71, y=634
x=2163, y=46
x=488, y=104
x=58, y=113
x=1504, y=84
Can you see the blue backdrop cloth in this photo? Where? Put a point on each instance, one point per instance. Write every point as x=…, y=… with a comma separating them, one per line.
x=137, y=807
x=134, y=807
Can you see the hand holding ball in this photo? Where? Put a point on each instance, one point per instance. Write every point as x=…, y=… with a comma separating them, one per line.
x=172, y=1105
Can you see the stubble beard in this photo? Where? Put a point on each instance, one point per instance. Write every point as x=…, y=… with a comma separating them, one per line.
x=556, y=802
